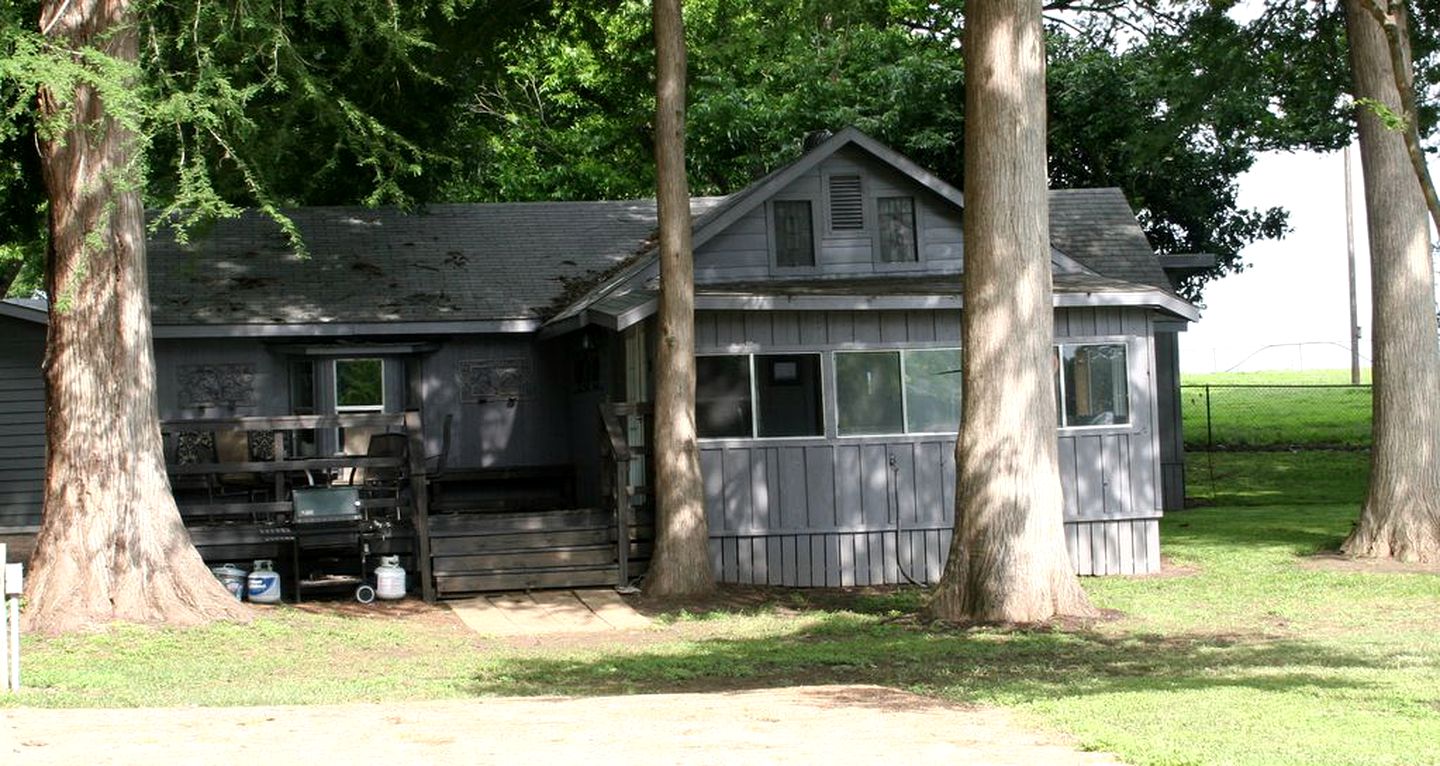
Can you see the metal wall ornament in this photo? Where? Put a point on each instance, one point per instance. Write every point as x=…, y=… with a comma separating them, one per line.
x=485, y=380
x=215, y=385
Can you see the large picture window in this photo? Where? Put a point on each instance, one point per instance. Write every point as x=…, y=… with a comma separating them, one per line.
x=894, y=392
x=1093, y=388
x=794, y=234
x=765, y=395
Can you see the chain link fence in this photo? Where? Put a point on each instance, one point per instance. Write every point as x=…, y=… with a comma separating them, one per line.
x=1292, y=444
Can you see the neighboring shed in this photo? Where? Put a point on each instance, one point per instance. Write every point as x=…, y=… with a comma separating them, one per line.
x=22, y=413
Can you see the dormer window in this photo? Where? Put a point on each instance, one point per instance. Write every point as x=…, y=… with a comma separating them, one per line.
x=847, y=204
x=794, y=234
x=897, y=229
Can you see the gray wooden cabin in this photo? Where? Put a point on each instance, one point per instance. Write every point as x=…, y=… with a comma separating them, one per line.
x=828, y=334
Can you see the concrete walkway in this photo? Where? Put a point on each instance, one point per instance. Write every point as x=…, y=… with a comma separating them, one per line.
x=548, y=611
x=833, y=725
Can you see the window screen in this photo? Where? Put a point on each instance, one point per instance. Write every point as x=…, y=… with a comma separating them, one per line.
x=897, y=229
x=722, y=397
x=788, y=387
x=794, y=234
x=867, y=393
x=1094, y=385
x=932, y=390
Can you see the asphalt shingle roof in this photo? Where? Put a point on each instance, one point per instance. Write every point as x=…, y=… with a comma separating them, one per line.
x=1097, y=228
x=447, y=263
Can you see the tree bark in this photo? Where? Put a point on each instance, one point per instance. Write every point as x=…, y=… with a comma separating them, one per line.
x=111, y=544
x=681, y=561
x=1008, y=561
x=1401, y=515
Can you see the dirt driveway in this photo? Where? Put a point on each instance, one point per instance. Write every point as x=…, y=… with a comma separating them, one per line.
x=816, y=724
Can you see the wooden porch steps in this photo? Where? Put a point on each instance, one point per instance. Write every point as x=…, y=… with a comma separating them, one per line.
x=482, y=551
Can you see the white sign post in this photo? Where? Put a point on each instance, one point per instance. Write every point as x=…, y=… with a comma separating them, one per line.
x=12, y=585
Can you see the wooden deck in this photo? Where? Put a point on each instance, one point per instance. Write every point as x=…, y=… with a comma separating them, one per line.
x=494, y=529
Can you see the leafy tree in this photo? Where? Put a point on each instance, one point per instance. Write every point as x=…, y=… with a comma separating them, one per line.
x=1401, y=515
x=189, y=96
x=1007, y=561
x=681, y=565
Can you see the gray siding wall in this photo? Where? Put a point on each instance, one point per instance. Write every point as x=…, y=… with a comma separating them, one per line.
x=1171, y=424
x=534, y=429
x=271, y=386
x=22, y=423
x=745, y=251
x=828, y=508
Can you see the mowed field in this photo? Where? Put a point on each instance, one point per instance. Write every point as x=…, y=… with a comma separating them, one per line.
x=1268, y=410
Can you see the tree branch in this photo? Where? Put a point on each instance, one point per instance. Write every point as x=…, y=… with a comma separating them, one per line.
x=1391, y=20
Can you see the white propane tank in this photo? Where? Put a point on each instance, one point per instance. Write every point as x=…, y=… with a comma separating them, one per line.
x=233, y=578
x=390, y=579
x=263, y=584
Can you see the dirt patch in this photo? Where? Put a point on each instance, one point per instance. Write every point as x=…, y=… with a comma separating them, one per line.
x=815, y=724
x=409, y=609
x=1334, y=561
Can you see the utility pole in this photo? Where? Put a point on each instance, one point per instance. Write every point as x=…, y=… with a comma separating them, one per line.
x=1350, y=247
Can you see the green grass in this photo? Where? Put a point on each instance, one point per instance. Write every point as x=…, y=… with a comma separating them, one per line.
x=1298, y=477
x=1276, y=416
x=1241, y=656
x=1275, y=378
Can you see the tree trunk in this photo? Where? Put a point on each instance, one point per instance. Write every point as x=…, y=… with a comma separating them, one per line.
x=111, y=544
x=1401, y=515
x=681, y=562
x=1008, y=561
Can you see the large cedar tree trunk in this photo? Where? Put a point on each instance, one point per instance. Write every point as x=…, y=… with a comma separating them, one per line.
x=681, y=562
x=1401, y=515
x=1007, y=561
x=111, y=544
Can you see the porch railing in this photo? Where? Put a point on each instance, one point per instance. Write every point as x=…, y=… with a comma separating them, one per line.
x=283, y=470
x=624, y=470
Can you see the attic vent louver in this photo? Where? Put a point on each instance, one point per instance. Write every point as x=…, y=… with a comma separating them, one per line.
x=847, y=210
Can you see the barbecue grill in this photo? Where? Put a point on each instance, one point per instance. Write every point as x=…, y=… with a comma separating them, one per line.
x=334, y=519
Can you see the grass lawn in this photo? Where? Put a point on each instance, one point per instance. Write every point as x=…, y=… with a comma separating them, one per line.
x=1295, y=408
x=1241, y=654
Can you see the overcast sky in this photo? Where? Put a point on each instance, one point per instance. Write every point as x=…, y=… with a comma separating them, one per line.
x=1290, y=309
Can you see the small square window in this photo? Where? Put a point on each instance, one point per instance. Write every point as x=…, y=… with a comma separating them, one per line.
x=359, y=385
x=1093, y=385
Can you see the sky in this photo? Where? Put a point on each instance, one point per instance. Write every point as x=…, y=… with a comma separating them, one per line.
x=1290, y=309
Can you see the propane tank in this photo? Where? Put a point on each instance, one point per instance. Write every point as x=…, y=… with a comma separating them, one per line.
x=263, y=584
x=232, y=577
x=390, y=579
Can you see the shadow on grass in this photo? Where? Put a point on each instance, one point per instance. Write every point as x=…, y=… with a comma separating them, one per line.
x=1303, y=529
x=972, y=666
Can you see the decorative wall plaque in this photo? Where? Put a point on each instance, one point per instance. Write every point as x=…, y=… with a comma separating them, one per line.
x=483, y=380
x=214, y=385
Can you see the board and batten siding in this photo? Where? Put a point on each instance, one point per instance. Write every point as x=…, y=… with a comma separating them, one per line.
x=22, y=424
x=838, y=511
x=744, y=250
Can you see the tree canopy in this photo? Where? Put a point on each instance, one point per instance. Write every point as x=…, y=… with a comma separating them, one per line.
x=331, y=102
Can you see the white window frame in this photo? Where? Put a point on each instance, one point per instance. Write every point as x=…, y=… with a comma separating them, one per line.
x=1128, y=343
x=345, y=408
